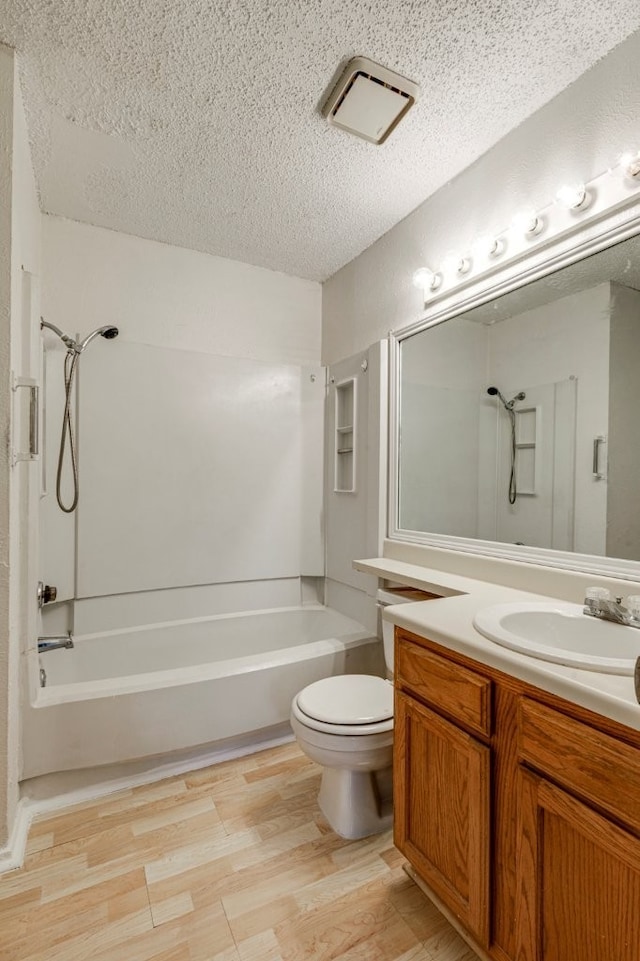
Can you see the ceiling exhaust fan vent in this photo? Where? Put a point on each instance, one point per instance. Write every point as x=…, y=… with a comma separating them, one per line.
x=369, y=100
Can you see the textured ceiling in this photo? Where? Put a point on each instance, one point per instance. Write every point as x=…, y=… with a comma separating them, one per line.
x=196, y=122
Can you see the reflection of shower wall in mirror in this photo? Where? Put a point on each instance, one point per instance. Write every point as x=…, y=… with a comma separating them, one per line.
x=543, y=513
x=623, y=441
x=546, y=345
x=585, y=346
x=441, y=377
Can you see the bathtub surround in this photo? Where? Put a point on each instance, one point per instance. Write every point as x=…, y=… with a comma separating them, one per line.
x=204, y=426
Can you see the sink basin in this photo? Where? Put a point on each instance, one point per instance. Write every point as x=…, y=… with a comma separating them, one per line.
x=560, y=632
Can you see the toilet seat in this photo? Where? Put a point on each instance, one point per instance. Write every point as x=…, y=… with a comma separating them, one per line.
x=347, y=704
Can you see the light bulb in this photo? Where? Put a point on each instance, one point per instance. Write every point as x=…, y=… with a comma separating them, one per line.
x=455, y=264
x=488, y=246
x=426, y=280
x=630, y=163
x=528, y=222
x=573, y=196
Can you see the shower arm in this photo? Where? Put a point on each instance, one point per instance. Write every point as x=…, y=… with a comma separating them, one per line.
x=66, y=340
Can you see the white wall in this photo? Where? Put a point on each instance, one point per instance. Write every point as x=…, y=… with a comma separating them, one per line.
x=19, y=268
x=201, y=424
x=575, y=137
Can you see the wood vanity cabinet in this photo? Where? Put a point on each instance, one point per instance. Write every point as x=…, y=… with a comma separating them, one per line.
x=442, y=778
x=518, y=810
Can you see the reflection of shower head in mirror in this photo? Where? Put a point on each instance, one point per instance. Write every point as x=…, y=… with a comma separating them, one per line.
x=508, y=404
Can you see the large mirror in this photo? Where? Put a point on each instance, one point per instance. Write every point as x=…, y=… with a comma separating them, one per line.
x=519, y=420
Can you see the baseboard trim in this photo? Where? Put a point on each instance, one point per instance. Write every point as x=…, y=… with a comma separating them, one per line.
x=13, y=854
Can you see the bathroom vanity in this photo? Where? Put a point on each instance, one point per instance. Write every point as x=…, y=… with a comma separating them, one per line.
x=519, y=810
x=516, y=784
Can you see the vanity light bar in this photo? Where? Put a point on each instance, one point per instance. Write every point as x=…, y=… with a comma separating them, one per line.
x=527, y=224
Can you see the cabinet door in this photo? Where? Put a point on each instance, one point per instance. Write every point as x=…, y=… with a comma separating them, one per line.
x=441, y=816
x=578, y=880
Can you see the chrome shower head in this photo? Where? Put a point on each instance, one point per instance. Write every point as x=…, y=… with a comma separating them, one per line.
x=508, y=404
x=108, y=332
x=493, y=392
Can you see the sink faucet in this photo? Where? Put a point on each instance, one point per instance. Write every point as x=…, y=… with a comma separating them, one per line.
x=598, y=603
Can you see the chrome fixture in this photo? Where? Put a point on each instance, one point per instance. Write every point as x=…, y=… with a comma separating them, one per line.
x=598, y=603
x=46, y=594
x=508, y=406
x=43, y=677
x=52, y=642
x=74, y=349
x=108, y=332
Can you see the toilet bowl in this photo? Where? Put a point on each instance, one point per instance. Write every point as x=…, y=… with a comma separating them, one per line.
x=345, y=724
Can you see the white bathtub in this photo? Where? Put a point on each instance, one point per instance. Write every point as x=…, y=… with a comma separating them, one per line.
x=161, y=688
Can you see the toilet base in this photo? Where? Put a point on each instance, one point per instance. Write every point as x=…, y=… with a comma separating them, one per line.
x=357, y=803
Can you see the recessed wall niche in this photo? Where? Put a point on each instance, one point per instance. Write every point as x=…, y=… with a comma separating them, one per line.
x=345, y=437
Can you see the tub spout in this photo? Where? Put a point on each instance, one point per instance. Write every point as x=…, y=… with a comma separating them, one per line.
x=51, y=642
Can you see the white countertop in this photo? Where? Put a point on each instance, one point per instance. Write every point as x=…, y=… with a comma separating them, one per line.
x=449, y=621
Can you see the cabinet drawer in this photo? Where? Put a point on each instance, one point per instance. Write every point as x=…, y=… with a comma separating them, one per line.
x=462, y=694
x=594, y=765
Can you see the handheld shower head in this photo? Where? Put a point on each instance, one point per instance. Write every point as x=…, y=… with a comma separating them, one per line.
x=108, y=332
x=493, y=392
x=508, y=404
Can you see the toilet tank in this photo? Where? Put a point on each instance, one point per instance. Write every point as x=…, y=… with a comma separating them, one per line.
x=397, y=595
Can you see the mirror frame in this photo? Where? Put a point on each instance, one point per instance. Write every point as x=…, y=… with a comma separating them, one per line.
x=615, y=219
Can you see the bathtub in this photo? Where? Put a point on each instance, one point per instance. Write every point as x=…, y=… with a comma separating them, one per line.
x=162, y=688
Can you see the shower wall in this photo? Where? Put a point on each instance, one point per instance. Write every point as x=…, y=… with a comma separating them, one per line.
x=200, y=430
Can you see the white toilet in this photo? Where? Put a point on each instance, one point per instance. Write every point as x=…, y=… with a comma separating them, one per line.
x=345, y=724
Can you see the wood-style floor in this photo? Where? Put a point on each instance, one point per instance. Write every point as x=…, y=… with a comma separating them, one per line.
x=231, y=863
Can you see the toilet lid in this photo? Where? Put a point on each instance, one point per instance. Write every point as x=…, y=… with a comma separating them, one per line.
x=348, y=699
